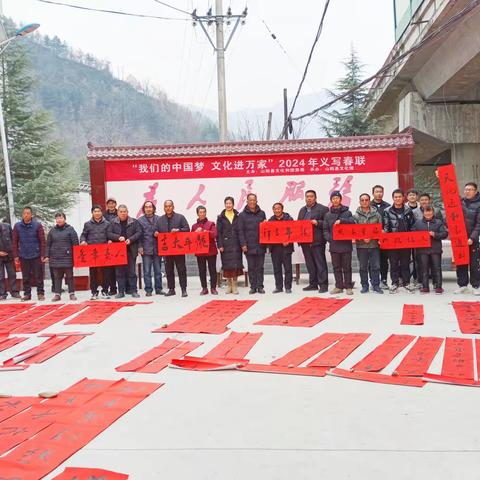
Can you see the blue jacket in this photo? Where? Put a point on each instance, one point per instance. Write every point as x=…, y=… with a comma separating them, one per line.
x=28, y=240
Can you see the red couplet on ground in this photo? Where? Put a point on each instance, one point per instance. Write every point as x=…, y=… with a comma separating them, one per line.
x=213, y=317
x=75, y=473
x=412, y=315
x=419, y=358
x=382, y=355
x=306, y=313
x=468, y=316
x=377, y=378
x=46, y=434
x=458, y=358
x=309, y=372
x=6, y=343
x=30, y=315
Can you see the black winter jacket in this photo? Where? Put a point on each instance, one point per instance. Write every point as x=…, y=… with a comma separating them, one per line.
x=391, y=219
x=249, y=230
x=227, y=238
x=134, y=233
x=471, y=213
x=176, y=221
x=278, y=247
x=438, y=227
x=6, y=240
x=345, y=216
x=381, y=207
x=318, y=213
x=109, y=217
x=95, y=232
x=59, y=248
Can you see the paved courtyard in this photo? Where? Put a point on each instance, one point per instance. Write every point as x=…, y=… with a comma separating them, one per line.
x=240, y=425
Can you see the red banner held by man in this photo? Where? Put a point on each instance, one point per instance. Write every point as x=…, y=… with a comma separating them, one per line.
x=454, y=214
x=353, y=231
x=393, y=241
x=100, y=255
x=182, y=243
x=290, y=231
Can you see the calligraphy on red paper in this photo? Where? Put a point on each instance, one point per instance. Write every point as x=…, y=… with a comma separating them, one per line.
x=182, y=243
x=290, y=231
x=100, y=255
x=352, y=231
x=393, y=241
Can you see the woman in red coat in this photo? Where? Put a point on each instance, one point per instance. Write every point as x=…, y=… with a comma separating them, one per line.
x=210, y=258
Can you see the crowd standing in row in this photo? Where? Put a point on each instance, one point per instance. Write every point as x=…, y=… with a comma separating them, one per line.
x=237, y=233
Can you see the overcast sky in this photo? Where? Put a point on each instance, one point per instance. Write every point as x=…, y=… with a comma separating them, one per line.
x=176, y=57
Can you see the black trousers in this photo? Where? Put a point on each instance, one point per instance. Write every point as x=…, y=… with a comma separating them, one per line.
x=9, y=265
x=415, y=268
x=255, y=265
x=58, y=274
x=433, y=261
x=342, y=269
x=462, y=270
x=111, y=279
x=97, y=279
x=282, y=259
x=399, y=265
x=383, y=265
x=316, y=263
x=32, y=270
x=172, y=261
x=126, y=275
x=211, y=262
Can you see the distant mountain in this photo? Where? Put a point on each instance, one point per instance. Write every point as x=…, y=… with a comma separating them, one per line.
x=90, y=105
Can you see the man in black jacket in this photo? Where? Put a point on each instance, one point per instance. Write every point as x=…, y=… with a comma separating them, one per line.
x=471, y=214
x=173, y=222
x=126, y=229
x=96, y=231
x=314, y=252
x=380, y=204
x=7, y=263
x=399, y=218
x=249, y=238
x=281, y=254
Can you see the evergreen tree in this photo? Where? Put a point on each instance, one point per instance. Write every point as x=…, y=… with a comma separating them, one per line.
x=351, y=118
x=41, y=174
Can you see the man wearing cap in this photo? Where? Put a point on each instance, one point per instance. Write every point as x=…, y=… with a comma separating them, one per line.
x=110, y=215
x=340, y=250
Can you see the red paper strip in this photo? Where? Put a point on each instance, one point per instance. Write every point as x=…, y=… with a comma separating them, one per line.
x=382, y=355
x=75, y=473
x=291, y=231
x=301, y=354
x=27, y=316
x=434, y=378
x=377, y=378
x=207, y=363
x=468, y=316
x=213, y=317
x=236, y=345
x=100, y=255
x=412, y=315
x=477, y=351
x=306, y=313
x=66, y=399
x=162, y=362
x=309, y=372
x=393, y=241
x=87, y=385
x=457, y=230
x=340, y=350
x=10, y=342
x=458, y=358
x=419, y=358
x=12, y=406
x=354, y=231
x=134, y=389
x=183, y=243
x=16, y=430
x=95, y=314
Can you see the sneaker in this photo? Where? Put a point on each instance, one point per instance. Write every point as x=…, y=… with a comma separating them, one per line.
x=56, y=298
x=214, y=291
x=384, y=285
x=105, y=295
x=120, y=295
x=184, y=293
x=424, y=290
x=323, y=289
x=170, y=292
x=377, y=290
x=364, y=290
x=261, y=290
x=159, y=292
x=41, y=297
x=461, y=290
x=476, y=291
x=309, y=288
x=204, y=291
x=288, y=290
x=94, y=296
x=252, y=291
x=438, y=290
x=15, y=295
x=73, y=297
x=410, y=288
x=393, y=289
x=135, y=295
x=335, y=291
x=278, y=290
x=349, y=291
x=148, y=294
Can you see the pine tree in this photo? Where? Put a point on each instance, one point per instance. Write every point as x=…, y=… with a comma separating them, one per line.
x=351, y=118
x=41, y=175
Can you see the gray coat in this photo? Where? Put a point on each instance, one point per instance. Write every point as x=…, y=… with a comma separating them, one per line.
x=95, y=232
x=177, y=221
x=59, y=248
x=148, y=241
x=134, y=233
x=372, y=216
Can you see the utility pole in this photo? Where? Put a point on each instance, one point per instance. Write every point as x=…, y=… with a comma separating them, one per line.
x=269, y=126
x=285, y=114
x=220, y=48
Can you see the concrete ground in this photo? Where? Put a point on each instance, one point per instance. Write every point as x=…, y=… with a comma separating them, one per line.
x=238, y=425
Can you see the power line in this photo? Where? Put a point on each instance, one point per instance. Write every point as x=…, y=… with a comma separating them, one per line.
x=317, y=37
x=432, y=36
x=172, y=7
x=115, y=12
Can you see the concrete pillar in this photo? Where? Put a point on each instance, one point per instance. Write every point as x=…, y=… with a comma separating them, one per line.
x=466, y=158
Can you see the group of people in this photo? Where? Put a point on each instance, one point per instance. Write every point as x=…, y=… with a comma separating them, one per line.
x=235, y=235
